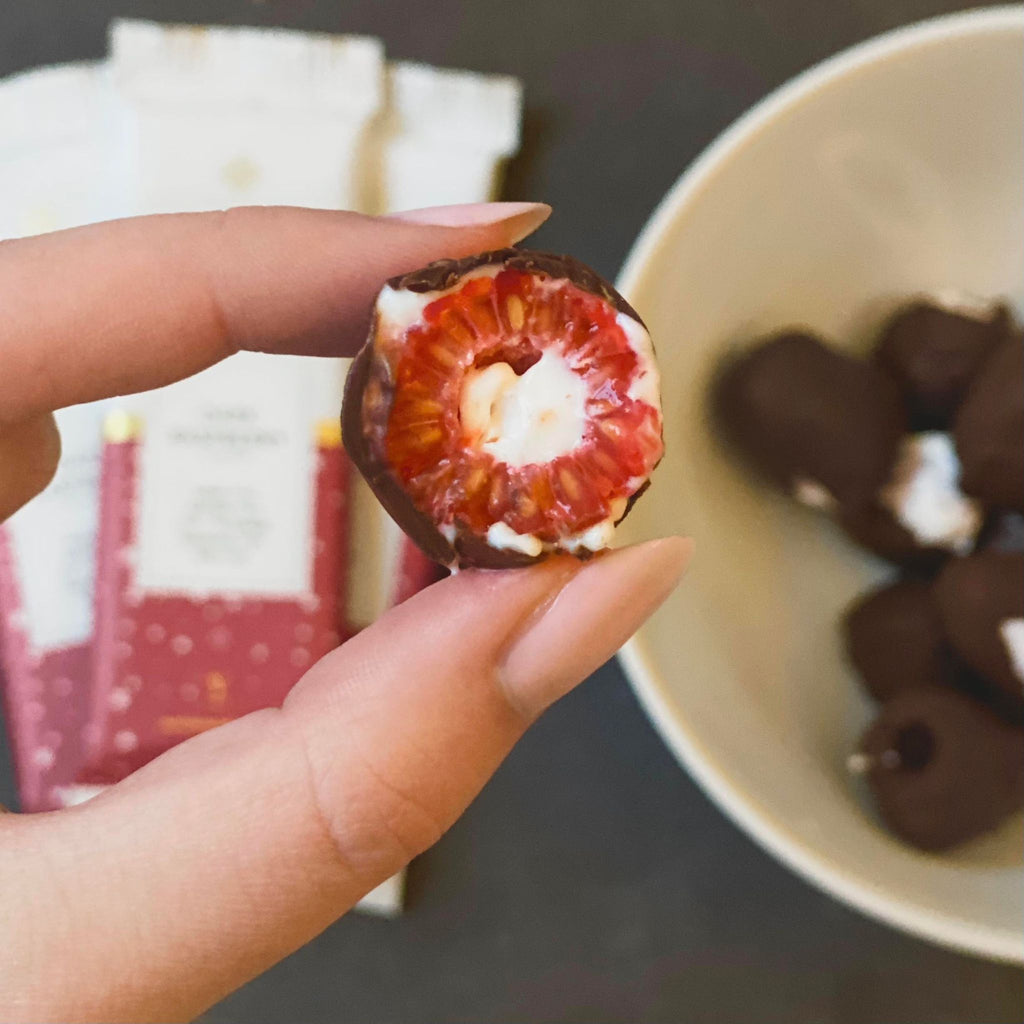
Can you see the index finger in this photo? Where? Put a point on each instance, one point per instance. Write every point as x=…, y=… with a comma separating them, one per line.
x=133, y=304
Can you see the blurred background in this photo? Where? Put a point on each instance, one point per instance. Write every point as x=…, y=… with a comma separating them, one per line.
x=591, y=881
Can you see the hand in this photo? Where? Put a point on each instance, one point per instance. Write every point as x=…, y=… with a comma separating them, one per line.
x=171, y=889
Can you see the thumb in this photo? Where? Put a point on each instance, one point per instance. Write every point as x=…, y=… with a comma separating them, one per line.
x=229, y=852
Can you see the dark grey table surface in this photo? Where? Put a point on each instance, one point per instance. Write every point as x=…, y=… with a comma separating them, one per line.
x=592, y=880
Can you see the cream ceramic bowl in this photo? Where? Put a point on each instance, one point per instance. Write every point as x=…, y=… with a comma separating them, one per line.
x=894, y=168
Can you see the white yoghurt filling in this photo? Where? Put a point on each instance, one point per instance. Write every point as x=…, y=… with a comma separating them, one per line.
x=925, y=497
x=956, y=300
x=533, y=417
x=399, y=308
x=526, y=419
x=813, y=494
x=1012, y=633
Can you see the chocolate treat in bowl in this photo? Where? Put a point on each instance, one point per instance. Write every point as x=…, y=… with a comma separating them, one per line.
x=917, y=453
x=989, y=429
x=833, y=217
x=821, y=425
x=832, y=431
x=920, y=516
x=980, y=602
x=933, y=350
x=505, y=408
x=895, y=640
x=942, y=768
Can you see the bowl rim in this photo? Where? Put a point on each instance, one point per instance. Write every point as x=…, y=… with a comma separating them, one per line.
x=647, y=682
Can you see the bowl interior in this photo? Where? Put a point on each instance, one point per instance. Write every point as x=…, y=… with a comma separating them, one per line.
x=896, y=169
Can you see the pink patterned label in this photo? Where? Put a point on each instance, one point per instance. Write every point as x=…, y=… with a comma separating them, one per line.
x=168, y=666
x=46, y=698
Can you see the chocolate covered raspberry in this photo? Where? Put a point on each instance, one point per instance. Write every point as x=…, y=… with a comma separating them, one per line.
x=920, y=516
x=895, y=640
x=505, y=407
x=980, y=602
x=942, y=768
x=820, y=424
x=934, y=351
x=989, y=429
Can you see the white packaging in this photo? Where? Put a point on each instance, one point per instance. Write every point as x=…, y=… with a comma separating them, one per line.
x=62, y=150
x=192, y=118
x=447, y=135
x=246, y=116
x=52, y=538
x=62, y=164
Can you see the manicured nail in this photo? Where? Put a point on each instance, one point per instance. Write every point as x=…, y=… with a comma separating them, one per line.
x=516, y=219
x=597, y=610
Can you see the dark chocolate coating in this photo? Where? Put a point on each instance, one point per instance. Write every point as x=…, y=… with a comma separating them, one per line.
x=894, y=640
x=795, y=409
x=973, y=596
x=442, y=274
x=468, y=550
x=1003, y=531
x=944, y=769
x=989, y=430
x=874, y=527
x=933, y=353
x=375, y=470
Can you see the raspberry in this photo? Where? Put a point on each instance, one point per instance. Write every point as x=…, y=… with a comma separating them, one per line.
x=505, y=407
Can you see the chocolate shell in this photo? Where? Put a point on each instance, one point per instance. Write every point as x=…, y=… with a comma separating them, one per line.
x=895, y=641
x=989, y=430
x=942, y=769
x=933, y=352
x=874, y=527
x=820, y=424
x=980, y=601
x=1003, y=531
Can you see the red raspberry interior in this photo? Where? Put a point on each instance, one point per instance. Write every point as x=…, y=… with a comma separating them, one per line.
x=513, y=317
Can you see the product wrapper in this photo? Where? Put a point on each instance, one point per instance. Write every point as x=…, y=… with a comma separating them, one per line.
x=46, y=616
x=63, y=163
x=201, y=616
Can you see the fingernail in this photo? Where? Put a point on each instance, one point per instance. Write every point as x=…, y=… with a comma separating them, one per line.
x=517, y=220
x=597, y=610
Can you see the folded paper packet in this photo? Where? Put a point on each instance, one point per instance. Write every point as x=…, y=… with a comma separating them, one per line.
x=188, y=118
x=46, y=621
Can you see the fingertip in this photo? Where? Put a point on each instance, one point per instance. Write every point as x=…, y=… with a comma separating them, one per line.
x=673, y=552
x=592, y=615
x=512, y=221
